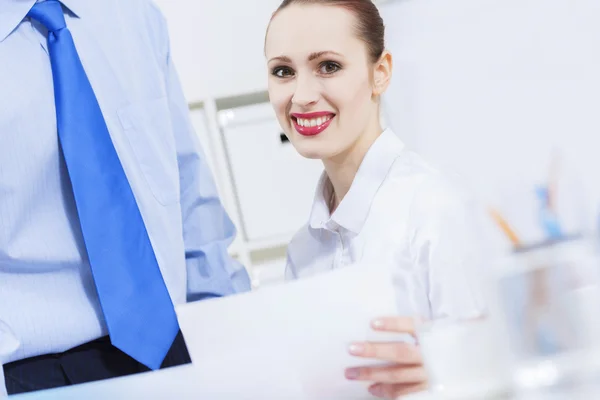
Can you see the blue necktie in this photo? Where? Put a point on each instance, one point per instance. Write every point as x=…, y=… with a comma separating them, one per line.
x=135, y=301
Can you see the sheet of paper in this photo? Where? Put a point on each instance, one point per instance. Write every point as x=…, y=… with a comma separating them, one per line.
x=297, y=332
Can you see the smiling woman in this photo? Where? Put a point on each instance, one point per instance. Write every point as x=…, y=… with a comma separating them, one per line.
x=325, y=59
x=376, y=202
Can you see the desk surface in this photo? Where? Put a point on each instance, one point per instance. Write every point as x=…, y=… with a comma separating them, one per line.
x=184, y=383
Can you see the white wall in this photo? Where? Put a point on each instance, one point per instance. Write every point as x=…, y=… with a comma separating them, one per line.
x=218, y=44
x=398, y=100
x=512, y=76
x=489, y=88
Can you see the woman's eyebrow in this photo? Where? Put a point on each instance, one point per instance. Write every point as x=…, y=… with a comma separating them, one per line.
x=318, y=54
x=281, y=58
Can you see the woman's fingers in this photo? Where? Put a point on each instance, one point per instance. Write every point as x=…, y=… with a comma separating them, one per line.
x=405, y=375
x=388, y=374
x=397, y=352
x=394, y=324
x=396, y=390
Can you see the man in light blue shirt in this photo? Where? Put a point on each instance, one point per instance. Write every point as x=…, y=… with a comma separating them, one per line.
x=48, y=294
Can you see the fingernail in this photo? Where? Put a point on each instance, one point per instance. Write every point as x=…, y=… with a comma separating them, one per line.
x=376, y=390
x=356, y=349
x=352, y=373
x=378, y=324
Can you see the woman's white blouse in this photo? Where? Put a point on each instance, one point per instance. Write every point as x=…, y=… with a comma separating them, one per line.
x=402, y=212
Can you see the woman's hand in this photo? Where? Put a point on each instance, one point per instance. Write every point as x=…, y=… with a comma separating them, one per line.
x=405, y=374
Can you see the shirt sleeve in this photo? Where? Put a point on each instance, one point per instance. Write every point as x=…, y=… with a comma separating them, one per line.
x=290, y=271
x=448, y=247
x=8, y=346
x=207, y=229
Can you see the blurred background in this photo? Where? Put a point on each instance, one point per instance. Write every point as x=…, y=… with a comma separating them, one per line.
x=504, y=93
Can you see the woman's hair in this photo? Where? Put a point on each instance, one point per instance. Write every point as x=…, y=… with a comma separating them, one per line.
x=369, y=27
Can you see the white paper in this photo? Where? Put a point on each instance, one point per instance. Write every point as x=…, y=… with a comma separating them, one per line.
x=297, y=333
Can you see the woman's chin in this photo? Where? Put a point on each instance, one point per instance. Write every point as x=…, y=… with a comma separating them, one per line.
x=312, y=153
x=314, y=148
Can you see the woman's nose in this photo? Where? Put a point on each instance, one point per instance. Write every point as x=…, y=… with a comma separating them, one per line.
x=306, y=92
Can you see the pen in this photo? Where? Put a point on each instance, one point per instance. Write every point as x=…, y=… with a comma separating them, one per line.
x=505, y=227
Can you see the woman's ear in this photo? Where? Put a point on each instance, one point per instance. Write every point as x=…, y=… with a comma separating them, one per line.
x=382, y=73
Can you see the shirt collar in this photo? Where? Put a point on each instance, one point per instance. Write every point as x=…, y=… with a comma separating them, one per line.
x=353, y=210
x=12, y=12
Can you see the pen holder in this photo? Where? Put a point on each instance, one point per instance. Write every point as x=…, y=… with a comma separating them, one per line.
x=549, y=301
x=465, y=359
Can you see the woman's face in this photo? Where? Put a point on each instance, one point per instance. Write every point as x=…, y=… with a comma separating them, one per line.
x=320, y=80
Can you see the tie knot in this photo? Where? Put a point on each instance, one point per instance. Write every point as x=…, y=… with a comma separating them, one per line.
x=50, y=14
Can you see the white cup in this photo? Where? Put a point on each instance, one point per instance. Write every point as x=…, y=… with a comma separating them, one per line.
x=548, y=296
x=465, y=359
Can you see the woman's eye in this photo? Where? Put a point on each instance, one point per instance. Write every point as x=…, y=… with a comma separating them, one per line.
x=282, y=72
x=329, y=67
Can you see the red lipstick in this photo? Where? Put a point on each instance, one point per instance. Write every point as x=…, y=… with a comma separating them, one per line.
x=311, y=124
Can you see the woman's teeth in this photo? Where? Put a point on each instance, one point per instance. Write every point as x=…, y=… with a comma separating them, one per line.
x=313, y=122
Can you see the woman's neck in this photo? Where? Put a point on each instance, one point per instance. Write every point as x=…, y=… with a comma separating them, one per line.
x=342, y=168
